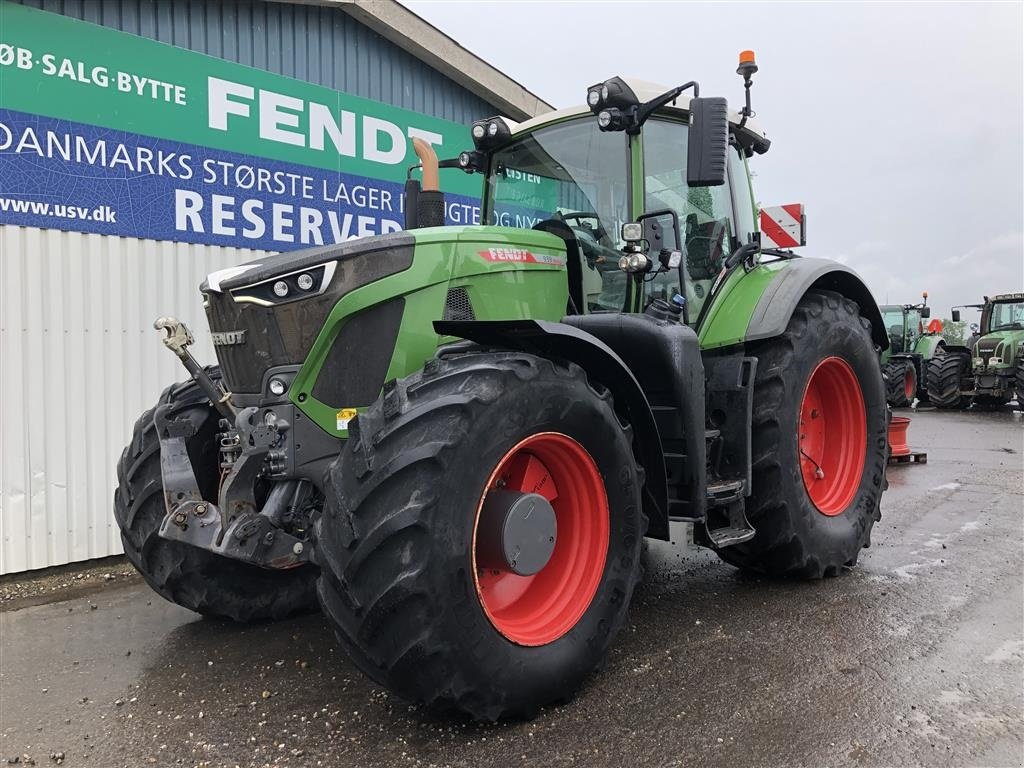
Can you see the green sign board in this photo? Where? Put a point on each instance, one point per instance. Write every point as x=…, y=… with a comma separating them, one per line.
x=180, y=145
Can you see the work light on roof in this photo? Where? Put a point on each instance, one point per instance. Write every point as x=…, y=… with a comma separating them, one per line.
x=488, y=133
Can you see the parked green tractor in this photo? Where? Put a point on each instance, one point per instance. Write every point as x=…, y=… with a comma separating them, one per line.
x=912, y=344
x=989, y=370
x=457, y=437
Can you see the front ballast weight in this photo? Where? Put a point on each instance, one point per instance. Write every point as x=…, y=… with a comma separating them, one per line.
x=249, y=444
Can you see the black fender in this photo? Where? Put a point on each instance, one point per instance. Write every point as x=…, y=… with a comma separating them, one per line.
x=775, y=308
x=602, y=364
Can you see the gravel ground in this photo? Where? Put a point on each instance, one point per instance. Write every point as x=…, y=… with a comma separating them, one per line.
x=64, y=582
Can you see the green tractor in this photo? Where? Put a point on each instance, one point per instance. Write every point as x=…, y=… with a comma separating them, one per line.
x=455, y=438
x=912, y=344
x=989, y=370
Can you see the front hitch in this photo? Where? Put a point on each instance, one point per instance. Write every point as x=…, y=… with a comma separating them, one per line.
x=251, y=537
x=236, y=526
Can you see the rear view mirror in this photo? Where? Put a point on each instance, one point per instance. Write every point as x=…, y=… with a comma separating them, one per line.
x=926, y=312
x=708, y=145
x=955, y=315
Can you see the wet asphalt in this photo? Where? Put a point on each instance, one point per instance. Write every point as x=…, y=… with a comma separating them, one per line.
x=916, y=657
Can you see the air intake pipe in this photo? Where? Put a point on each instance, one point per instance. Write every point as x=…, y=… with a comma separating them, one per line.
x=424, y=203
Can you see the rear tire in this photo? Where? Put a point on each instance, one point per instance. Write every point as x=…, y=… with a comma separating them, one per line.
x=942, y=380
x=826, y=356
x=900, y=382
x=397, y=542
x=191, y=577
x=1019, y=380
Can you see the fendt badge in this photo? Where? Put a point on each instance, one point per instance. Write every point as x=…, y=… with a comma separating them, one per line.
x=228, y=338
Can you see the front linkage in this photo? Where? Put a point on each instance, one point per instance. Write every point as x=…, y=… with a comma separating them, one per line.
x=237, y=526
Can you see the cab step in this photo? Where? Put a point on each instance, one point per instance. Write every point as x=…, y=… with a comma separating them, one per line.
x=726, y=492
x=727, y=524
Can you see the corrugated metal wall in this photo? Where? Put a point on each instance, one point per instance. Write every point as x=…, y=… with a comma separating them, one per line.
x=79, y=361
x=319, y=44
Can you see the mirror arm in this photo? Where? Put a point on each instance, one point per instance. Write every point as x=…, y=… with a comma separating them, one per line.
x=646, y=109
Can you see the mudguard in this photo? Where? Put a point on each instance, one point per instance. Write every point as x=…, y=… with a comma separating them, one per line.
x=547, y=339
x=926, y=346
x=772, y=313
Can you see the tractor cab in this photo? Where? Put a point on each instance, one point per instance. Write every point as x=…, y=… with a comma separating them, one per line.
x=652, y=198
x=905, y=324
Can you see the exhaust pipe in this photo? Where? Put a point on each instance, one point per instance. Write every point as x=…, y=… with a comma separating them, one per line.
x=424, y=203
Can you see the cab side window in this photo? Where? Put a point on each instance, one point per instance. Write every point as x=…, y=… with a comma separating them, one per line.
x=705, y=213
x=745, y=213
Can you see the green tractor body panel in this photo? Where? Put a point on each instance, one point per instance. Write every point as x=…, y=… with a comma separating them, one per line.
x=757, y=304
x=729, y=317
x=928, y=345
x=500, y=273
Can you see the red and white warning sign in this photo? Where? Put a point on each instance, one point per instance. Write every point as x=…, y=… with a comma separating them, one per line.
x=783, y=226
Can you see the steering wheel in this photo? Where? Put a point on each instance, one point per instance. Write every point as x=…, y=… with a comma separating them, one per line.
x=582, y=219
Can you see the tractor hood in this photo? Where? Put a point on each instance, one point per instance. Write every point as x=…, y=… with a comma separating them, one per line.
x=267, y=313
x=998, y=349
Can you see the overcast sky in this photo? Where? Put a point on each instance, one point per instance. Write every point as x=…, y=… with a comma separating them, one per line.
x=899, y=126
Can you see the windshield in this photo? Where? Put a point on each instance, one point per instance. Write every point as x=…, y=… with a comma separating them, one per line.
x=575, y=173
x=1007, y=315
x=893, y=317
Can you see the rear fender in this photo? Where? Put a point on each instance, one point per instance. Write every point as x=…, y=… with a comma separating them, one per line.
x=779, y=299
x=602, y=364
x=929, y=346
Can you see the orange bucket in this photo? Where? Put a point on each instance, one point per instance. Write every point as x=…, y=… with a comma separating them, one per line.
x=898, y=436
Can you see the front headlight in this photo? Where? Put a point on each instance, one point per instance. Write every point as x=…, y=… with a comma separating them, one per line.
x=282, y=289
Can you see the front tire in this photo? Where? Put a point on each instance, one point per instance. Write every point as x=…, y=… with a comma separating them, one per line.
x=942, y=380
x=400, y=545
x=191, y=577
x=820, y=443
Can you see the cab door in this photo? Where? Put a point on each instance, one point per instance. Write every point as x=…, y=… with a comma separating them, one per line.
x=713, y=221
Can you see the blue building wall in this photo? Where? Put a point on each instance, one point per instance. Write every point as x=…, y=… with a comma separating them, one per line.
x=318, y=44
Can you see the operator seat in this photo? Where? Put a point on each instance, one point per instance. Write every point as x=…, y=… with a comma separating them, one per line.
x=895, y=339
x=574, y=264
x=705, y=247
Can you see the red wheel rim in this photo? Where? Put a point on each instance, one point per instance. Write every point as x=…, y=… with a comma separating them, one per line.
x=832, y=436
x=539, y=609
x=908, y=384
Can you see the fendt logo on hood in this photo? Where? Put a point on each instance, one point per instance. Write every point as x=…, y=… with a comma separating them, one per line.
x=521, y=256
x=228, y=338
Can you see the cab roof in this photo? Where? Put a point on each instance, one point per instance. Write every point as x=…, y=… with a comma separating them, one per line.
x=750, y=134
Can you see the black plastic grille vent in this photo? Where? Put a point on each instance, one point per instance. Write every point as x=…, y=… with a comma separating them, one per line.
x=457, y=305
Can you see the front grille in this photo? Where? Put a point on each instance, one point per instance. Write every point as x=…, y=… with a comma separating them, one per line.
x=985, y=348
x=356, y=365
